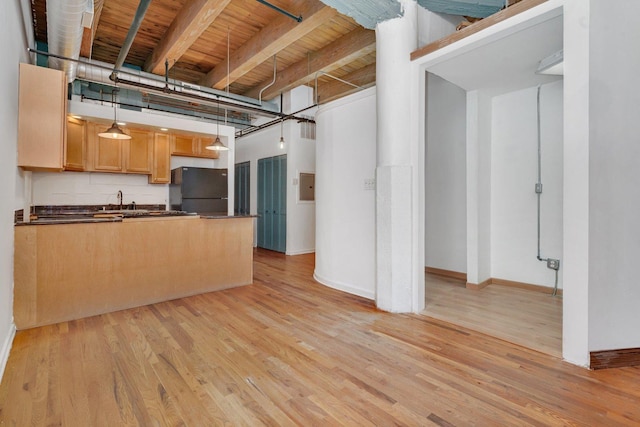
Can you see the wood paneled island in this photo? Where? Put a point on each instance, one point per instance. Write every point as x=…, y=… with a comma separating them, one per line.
x=69, y=271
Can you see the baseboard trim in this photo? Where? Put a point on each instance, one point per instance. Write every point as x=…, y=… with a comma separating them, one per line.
x=6, y=348
x=478, y=286
x=344, y=287
x=522, y=285
x=301, y=252
x=457, y=275
x=614, y=358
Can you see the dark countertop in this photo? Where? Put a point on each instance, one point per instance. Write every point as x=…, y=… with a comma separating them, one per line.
x=227, y=216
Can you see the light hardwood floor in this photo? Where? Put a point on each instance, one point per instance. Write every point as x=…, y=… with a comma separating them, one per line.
x=529, y=318
x=288, y=351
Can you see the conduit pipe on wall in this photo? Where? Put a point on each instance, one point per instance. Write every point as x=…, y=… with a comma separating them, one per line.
x=64, y=33
x=333, y=77
x=553, y=264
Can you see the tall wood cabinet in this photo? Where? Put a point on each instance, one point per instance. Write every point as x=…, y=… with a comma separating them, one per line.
x=42, y=108
x=161, y=166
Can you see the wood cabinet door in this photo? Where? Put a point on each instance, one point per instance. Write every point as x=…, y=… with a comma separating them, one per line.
x=201, y=144
x=182, y=145
x=161, y=169
x=138, y=151
x=107, y=152
x=42, y=109
x=76, y=144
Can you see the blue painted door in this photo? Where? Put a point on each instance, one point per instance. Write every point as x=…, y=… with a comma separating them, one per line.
x=242, y=175
x=272, y=203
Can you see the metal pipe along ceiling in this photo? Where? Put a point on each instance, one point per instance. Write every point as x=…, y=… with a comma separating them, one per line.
x=131, y=35
x=64, y=33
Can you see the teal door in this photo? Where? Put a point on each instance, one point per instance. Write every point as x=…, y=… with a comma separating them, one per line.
x=241, y=206
x=272, y=203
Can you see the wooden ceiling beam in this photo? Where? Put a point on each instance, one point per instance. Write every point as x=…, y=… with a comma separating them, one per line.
x=89, y=33
x=190, y=22
x=279, y=34
x=346, y=49
x=364, y=77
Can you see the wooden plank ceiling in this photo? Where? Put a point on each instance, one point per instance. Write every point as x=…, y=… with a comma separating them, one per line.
x=220, y=43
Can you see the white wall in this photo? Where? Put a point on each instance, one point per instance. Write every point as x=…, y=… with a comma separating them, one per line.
x=513, y=176
x=345, y=210
x=300, y=158
x=445, y=176
x=15, y=37
x=83, y=188
x=614, y=176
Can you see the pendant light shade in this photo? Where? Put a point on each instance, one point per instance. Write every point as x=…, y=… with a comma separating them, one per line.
x=217, y=145
x=114, y=132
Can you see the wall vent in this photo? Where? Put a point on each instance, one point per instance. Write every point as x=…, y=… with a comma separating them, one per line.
x=308, y=130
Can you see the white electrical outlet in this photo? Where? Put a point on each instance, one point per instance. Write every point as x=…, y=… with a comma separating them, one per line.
x=370, y=184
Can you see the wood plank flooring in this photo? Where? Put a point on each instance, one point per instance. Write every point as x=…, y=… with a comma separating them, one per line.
x=288, y=351
x=521, y=316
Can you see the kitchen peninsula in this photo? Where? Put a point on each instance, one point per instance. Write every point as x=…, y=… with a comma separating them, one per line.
x=66, y=271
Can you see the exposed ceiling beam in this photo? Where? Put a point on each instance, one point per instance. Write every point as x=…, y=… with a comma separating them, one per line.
x=335, y=55
x=89, y=33
x=279, y=34
x=364, y=77
x=190, y=22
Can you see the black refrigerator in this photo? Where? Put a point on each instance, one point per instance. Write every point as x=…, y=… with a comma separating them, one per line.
x=199, y=190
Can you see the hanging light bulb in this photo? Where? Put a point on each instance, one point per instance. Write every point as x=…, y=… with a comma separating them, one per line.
x=281, y=136
x=114, y=132
x=217, y=145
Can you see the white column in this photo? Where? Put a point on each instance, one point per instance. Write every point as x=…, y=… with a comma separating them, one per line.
x=396, y=177
x=478, y=187
x=575, y=245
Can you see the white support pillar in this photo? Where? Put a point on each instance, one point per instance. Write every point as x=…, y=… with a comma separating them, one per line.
x=396, y=179
x=576, y=204
x=478, y=187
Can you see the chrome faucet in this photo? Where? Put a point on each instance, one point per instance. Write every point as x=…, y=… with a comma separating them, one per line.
x=120, y=198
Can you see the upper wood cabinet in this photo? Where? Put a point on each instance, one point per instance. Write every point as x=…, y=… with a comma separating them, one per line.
x=161, y=166
x=42, y=121
x=138, y=152
x=192, y=146
x=107, y=153
x=76, y=145
x=133, y=155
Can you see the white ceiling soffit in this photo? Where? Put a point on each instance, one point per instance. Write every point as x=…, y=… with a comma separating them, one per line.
x=368, y=13
x=473, y=8
x=505, y=64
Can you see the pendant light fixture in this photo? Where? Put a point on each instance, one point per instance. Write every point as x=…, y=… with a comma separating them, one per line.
x=217, y=145
x=281, y=135
x=114, y=132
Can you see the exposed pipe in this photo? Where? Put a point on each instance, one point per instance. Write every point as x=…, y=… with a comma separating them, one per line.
x=553, y=264
x=539, y=182
x=284, y=12
x=131, y=35
x=272, y=81
x=244, y=132
x=333, y=77
x=100, y=72
x=64, y=33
